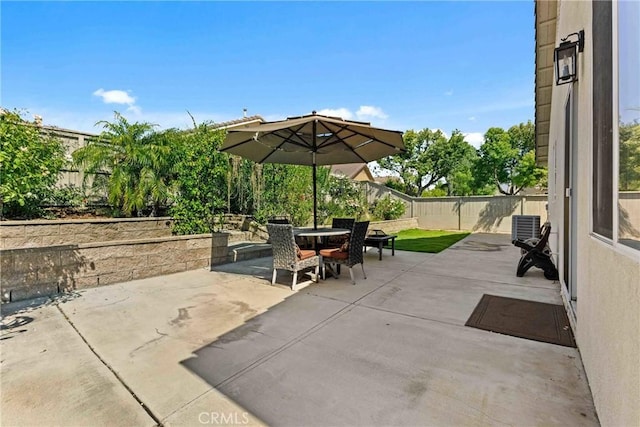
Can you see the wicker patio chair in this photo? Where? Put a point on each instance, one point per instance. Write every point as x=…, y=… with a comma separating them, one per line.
x=287, y=255
x=337, y=241
x=350, y=255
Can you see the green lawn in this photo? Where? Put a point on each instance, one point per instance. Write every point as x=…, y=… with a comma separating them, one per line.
x=432, y=241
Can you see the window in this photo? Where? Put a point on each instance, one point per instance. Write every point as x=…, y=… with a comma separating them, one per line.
x=628, y=126
x=602, y=120
x=616, y=121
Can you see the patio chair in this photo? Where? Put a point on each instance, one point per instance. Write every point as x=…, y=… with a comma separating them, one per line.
x=337, y=241
x=350, y=253
x=536, y=252
x=287, y=255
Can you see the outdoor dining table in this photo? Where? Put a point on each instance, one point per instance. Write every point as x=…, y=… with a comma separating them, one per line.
x=321, y=232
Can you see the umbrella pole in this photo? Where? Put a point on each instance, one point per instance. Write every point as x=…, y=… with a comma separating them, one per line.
x=315, y=195
x=315, y=201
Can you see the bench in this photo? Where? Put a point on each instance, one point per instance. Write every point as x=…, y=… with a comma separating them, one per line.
x=379, y=239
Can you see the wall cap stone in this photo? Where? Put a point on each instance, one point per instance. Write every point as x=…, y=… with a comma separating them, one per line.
x=81, y=221
x=118, y=242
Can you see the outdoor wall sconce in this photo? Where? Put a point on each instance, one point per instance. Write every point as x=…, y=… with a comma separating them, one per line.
x=565, y=57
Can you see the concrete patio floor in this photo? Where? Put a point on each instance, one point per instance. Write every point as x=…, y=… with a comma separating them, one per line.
x=226, y=347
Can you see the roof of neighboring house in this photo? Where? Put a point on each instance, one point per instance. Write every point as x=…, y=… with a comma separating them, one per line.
x=545, y=26
x=66, y=132
x=352, y=170
x=244, y=121
x=53, y=129
x=239, y=122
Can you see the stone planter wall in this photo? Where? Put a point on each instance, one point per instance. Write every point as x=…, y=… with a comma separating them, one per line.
x=37, y=271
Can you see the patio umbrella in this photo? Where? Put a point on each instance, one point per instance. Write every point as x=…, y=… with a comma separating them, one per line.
x=313, y=140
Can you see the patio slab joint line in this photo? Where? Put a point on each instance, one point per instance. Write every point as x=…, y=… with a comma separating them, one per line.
x=120, y=380
x=411, y=316
x=498, y=282
x=285, y=346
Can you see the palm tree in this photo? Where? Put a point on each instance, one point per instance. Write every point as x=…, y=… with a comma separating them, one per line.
x=131, y=162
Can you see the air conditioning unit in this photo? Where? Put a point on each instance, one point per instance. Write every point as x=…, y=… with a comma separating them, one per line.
x=525, y=227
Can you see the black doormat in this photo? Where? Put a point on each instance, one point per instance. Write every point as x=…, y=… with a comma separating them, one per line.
x=525, y=319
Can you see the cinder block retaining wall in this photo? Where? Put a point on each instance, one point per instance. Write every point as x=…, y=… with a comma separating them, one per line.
x=30, y=272
x=393, y=226
x=23, y=234
x=46, y=257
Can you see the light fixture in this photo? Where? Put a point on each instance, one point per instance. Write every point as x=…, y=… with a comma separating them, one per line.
x=565, y=57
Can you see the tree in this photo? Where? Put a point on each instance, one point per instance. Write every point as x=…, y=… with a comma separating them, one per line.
x=30, y=163
x=200, y=178
x=394, y=183
x=629, y=157
x=138, y=163
x=461, y=158
x=507, y=159
x=429, y=157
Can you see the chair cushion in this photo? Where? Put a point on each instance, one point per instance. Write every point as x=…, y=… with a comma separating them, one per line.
x=334, y=253
x=304, y=254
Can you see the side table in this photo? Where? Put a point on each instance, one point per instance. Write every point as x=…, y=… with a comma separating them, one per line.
x=378, y=241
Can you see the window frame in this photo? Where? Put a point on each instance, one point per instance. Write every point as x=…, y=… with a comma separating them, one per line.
x=603, y=185
x=622, y=248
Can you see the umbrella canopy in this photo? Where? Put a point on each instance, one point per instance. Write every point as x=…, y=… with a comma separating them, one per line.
x=313, y=140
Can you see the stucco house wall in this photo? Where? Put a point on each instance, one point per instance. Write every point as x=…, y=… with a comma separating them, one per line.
x=606, y=313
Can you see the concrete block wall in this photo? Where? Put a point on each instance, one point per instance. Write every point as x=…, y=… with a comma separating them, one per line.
x=44, y=257
x=393, y=226
x=22, y=234
x=474, y=213
x=30, y=272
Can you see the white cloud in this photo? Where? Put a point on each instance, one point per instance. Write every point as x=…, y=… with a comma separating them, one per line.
x=336, y=112
x=115, y=97
x=474, y=138
x=135, y=109
x=366, y=111
x=449, y=93
x=472, y=118
x=119, y=97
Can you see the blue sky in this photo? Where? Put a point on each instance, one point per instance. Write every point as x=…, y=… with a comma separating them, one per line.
x=399, y=65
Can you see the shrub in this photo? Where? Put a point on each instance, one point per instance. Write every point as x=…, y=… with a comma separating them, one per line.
x=344, y=198
x=388, y=208
x=288, y=190
x=67, y=196
x=30, y=163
